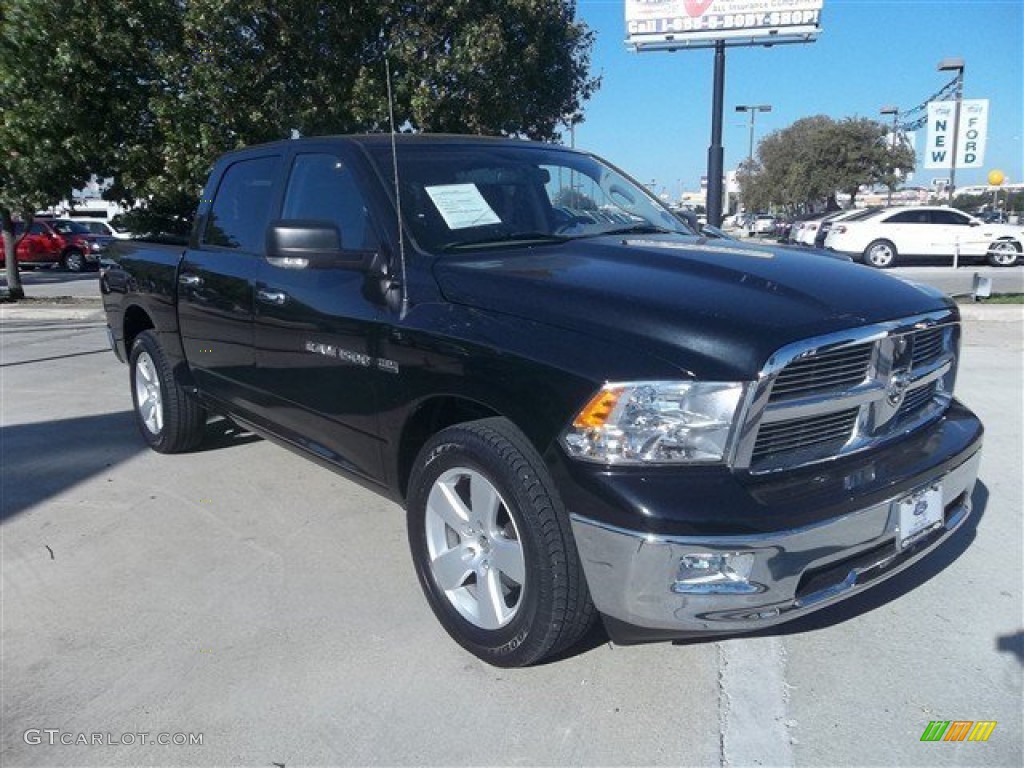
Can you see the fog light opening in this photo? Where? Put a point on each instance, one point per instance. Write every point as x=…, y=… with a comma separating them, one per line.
x=707, y=573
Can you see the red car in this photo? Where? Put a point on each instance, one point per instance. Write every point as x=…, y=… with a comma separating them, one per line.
x=58, y=241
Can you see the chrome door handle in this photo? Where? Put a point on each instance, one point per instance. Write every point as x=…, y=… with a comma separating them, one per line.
x=190, y=280
x=278, y=298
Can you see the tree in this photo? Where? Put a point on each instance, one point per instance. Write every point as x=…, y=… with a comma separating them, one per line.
x=67, y=81
x=237, y=72
x=806, y=164
x=151, y=92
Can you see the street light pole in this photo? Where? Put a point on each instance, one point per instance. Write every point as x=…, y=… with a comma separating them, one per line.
x=894, y=111
x=954, y=65
x=752, y=109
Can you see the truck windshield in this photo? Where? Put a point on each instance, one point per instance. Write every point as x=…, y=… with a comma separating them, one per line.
x=462, y=196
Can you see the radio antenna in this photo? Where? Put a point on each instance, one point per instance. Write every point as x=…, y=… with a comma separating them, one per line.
x=398, y=195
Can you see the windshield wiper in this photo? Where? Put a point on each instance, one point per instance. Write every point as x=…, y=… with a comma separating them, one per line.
x=511, y=237
x=638, y=229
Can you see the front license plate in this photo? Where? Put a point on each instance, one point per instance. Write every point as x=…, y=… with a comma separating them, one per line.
x=919, y=513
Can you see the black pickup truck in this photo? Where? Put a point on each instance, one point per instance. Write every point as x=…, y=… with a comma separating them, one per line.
x=585, y=408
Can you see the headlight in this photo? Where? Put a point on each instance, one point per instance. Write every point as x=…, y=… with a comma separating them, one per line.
x=656, y=422
x=95, y=247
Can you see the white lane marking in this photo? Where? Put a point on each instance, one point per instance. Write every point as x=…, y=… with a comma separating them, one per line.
x=752, y=703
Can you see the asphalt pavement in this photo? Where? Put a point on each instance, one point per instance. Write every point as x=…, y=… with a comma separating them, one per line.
x=243, y=597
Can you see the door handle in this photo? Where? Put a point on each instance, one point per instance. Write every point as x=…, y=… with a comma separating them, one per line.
x=277, y=298
x=189, y=280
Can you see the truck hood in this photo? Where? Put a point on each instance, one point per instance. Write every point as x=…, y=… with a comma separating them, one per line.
x=716, y=311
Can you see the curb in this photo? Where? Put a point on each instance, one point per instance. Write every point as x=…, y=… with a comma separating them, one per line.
x=54, y=311
x=992, y=313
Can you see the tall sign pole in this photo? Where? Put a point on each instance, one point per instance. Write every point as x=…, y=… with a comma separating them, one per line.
x=716, y=153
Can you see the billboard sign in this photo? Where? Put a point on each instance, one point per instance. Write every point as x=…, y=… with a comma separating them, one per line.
x=671, y=24
x=970, y=144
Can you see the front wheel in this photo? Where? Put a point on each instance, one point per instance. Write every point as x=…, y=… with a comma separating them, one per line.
x=881, y=254
x=170, y=420
x=492, y=545
x=1003, y=253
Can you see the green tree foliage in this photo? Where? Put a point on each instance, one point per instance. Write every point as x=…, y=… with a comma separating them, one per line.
x=1004, y=199
x=64, y=98
x=151, y=92
x=806, y=164
x=238, y=72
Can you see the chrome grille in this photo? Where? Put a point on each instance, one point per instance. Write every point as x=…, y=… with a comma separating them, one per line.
x=841, y=369
x=928, y=345
x=801, y=433
x=849, y=391
x=915, y=400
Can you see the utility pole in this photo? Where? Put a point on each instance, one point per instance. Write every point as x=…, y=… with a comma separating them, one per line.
x=954, y=65
x=894, y=111
x=752, y=110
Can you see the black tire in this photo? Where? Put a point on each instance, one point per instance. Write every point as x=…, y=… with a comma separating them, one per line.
x=73, y=260
x=880, y=254
x=1004, y=253
x=551, y=606
x=170, y=420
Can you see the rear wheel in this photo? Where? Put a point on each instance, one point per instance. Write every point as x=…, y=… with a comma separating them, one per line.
x=1003, y=253
x=170, y=420
x=881, y=254
x=492, y=545
x=73, y=260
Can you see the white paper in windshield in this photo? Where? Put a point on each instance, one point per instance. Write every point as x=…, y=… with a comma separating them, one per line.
x=462, y=206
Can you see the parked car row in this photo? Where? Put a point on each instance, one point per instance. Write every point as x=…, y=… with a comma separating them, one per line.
x=892, y=235
x=882, y=237
x=58, y=242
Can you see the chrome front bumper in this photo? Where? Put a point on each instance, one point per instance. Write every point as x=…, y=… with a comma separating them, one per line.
x=631, y=574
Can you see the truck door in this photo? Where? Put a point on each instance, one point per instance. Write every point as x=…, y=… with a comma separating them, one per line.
x=317, y=326
x=215, y=280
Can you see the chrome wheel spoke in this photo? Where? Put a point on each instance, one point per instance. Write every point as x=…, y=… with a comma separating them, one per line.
x=507, y=558
x=451, y=568
x=444, y=502
x=484, y=503
x=490, y=600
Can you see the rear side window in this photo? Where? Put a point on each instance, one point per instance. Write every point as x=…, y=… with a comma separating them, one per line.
x=241, y=208
x=323, y=187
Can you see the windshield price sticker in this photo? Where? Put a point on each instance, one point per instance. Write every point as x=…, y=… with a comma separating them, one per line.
x=919, y=514
x=462, y=206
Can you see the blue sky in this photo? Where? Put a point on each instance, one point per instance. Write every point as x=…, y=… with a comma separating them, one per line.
x=652, y=114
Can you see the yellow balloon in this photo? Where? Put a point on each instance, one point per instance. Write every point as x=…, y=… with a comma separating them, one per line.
x=995, y=178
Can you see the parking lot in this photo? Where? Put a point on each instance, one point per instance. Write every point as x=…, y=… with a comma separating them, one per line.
x=246, y=596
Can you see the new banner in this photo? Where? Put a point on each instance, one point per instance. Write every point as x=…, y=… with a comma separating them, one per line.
x=970, y=145
x=668, y=24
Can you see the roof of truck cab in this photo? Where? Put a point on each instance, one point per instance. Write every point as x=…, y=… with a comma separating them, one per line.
x=384, y=139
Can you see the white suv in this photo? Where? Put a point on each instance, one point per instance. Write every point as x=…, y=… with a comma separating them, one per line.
x=899, y=233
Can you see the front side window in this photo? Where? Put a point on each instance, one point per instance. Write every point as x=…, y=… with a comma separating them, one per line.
x=241, y=208
x=950, y=217
x=323, y=187
x=456, y=197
